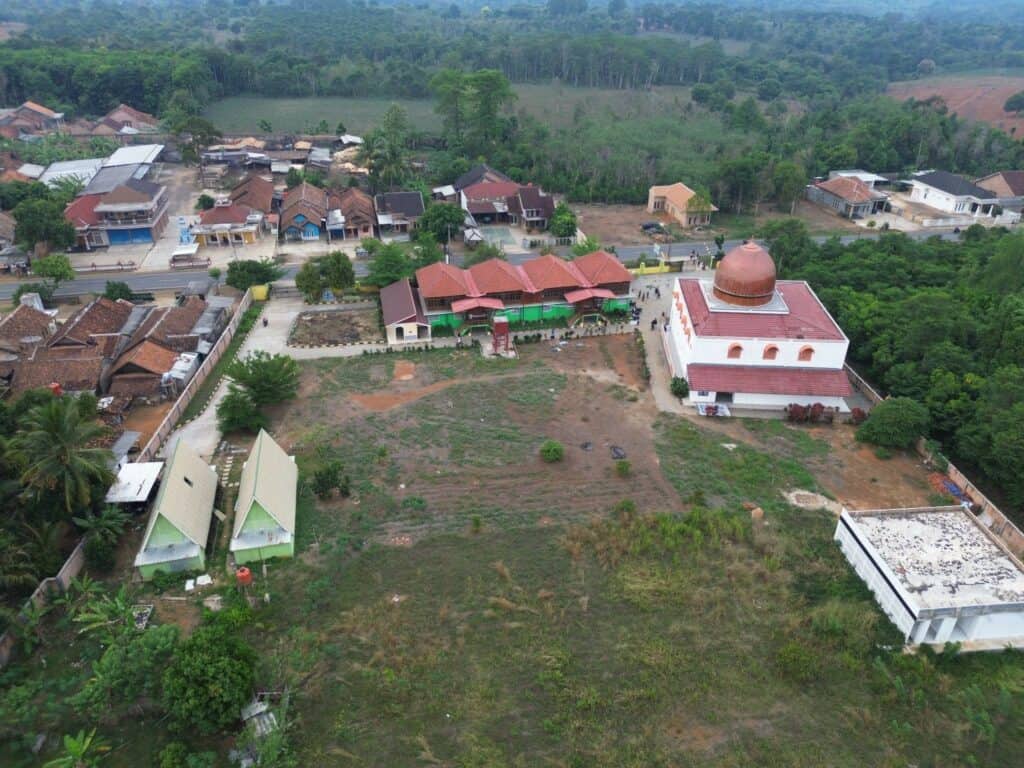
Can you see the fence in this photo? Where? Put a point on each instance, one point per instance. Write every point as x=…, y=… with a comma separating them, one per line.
x=862, y=386
x=990, y=515
x=41, y=596
x=149, y=450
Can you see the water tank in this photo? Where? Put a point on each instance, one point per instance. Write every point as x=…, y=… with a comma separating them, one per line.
x=244, y=576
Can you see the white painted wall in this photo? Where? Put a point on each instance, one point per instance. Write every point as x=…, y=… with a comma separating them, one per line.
x=412, y=332
x=943, y=201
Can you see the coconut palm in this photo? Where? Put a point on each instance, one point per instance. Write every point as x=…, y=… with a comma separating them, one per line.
x=107, y=525
x=16, y=566
x=54, y=448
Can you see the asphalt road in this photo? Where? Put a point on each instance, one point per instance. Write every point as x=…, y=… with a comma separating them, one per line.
x=162, y=281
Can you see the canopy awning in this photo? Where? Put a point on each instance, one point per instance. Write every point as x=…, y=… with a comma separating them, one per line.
x=134, y=482
x=464, y=305
x=574, y=297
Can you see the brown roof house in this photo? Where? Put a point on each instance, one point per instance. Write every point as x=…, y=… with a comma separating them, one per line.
x=681, y=203
x=1008, y=186
x=404, y=320
x=358, y=216
x=304, y=212
x=850, y=197
x=134, y=211
x=124, y=120
x=255, y=192
x=31, y=118
x=506, y=202
x=397, y=212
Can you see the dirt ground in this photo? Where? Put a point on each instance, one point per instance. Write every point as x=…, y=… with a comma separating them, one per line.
x=335, y=327
x=613, y=224
x=976, y=98
x=146, y=419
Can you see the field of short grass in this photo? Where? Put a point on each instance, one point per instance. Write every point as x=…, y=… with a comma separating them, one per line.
x=469, y=605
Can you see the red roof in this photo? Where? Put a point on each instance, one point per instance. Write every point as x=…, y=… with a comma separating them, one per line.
x=81, y=211
x=601, y=268
x=441, y=280
x=588, y=293
x=491, y=190
x=477, y=302
x=147, y=356
x=850, y=189
x=497, y=276
x=549, y=271
x=807, y=318
x=398, y=303
x=768, y=380
x=225, y=214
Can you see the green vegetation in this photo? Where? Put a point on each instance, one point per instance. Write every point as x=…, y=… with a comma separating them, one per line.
x=552, y=451
x=258, y=381
x=332, y=271
x=115, y=289
x=246, y=273
x=895, y=423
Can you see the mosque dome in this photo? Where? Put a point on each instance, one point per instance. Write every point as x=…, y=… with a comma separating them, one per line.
x=746, y=276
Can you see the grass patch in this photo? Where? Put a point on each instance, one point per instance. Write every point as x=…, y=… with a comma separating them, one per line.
x=790, y=441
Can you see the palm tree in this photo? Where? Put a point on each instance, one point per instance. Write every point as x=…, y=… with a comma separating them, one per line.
x=107, y=525
x=81, y=751
x=53, y=445
x=16, y=566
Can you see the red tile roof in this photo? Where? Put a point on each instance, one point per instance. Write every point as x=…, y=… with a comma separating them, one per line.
x=491, y=190
x=225, y=214
x=75, y=369
x=398, y=303
x=81, y=211
x=357, y=207
x=439, y=280
x=601, y=268
x=588, y=293
x=807, y=317
x=24, y=323
x=497, y=276
x=549, y=271
x=147, y=356
x=98, y=317
x=850, y=189
x=477, y=302
x=306, y=193
x=768, y=380
x=256, y=192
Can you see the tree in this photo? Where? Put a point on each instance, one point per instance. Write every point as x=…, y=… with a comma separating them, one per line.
x=194, y=134
x=388, y=265
x=42, y=221
x=310, y=281
x=265, y=126
x=205, y=202
x=107, y=616
x=789, y=243
x=293, y=178
x=587, y=245
x=442, y=220
x=491, y=91
x=563, y=221
x=237, y=412
x=247, y=273
x=53, y=446
x=894, y=423
x=17, y=570
x=108, y=525
x=338, y=271
x=81, y=751
x=209, y=680
x=452, y=90
x=483, y=252
x=1015, y=103
x=57, y=267
x=269, y=379
x=788, y=181
x=130, y=668
x=115, y=289
x=340, y=129
x=426, y=250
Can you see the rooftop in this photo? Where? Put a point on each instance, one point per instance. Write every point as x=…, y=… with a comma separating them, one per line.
x=851, y=189
x=941, y=556
x=139, y=153
x=953, y=184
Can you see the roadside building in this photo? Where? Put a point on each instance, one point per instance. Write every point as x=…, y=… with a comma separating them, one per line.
x=265, y=509
x=953, y=194
x=304, y=212
x=357, y=215
x=81, y=171
x=1007, y=186
x=681, y=203
x=404, y=319
x=938, y=574
x=397, y=212
x=229, y=224
x=506, y=202
x=179, y=524
x=748, y=340
x=850, y=197
x=134, y=211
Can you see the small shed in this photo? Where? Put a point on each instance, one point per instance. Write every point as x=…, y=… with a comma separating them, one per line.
x=175, y=538
x=404, y=319
x=265, y=509
x=134, y=483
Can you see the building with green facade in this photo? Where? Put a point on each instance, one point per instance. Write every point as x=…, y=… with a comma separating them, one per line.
x=179, y=524
x=265, y=510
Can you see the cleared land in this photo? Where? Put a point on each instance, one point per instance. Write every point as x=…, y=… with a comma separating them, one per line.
x=556, y=104
x=976, y=97
x=470, y=605
x=334, y=326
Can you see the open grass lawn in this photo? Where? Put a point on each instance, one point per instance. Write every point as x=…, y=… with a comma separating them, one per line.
x=555, y=104
x=471, y=606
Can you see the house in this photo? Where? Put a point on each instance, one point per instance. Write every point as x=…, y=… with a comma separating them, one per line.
x=873, y=180
x=124, y=120
x=24, y=329
x=81, y=171
x=179, y=524
x=544, y=288
x=404, y=320
x=478, y=174
x=265, y=509
x=32, y=119
x=681, y=203
x=1007, y=186
x=506, y=202
x=255, y=192
x=109, y=177
x=748, y=340
x=954, y=194
x=304, y=212
x=359, y=218
x=850, y=197
x=229, y=224
x=398, y=211
x=938, y=574
x=97, y=324
x=133, y=212
x=135, y=154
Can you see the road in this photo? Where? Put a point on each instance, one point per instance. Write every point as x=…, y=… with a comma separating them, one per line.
x=163, y=281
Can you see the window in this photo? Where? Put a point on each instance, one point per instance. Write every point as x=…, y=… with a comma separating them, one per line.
x=806, y=354
x=771, y=352
x=735, y=351
x=703, y=393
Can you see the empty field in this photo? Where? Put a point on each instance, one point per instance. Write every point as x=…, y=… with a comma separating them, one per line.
x=973, y=96
x=556, y=104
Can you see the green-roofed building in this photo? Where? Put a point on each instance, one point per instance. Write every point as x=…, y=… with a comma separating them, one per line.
x=265, y=509
x=179, y=524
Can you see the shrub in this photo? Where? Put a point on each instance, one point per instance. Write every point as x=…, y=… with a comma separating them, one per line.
x=246, y=273
x=205, y=202
x=477, y=523
x=45, y=293
x=552, y=451
x=177, y=755
x=414, y=504
x=116, y=289
x=797, y=662
x=326, y=479
x=214, y=272
x=883, y=453
x=238, y=412
x=894, y=423
x=679, y=387
x=623, y=468
x=99, y=554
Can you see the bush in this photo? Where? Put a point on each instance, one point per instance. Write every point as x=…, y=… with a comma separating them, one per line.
x=214, y=272
x=45, y=293
x=205, y=202
x=623, y=468
x=177, y=755
x=328, y=478
x=797, y=662
x=238, y=412
x=552, y=451
x=894, y=423
x=249, y=272
x=99, y=554
x=115, y=289
x=679, y=387
x=883, y=453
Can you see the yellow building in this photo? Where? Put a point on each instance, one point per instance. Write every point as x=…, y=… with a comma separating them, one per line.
x=681, y=203
x=228, y=223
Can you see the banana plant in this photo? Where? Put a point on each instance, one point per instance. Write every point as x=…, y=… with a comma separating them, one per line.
x=107, y=616
x=83, y=750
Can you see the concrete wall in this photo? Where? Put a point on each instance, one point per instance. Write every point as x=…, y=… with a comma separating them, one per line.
x=411, y=332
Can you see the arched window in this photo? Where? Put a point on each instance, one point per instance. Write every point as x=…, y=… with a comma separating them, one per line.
x=735, y=351
x=770, y=352
x=806, y=354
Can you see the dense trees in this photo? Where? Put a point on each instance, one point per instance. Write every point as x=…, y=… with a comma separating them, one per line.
x=246, y=273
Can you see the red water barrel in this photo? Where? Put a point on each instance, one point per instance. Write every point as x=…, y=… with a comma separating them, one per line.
x=244, y=576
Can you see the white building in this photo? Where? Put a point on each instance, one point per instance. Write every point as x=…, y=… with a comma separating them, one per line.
x=954, y=194
x=749, y=340
x=938, y=574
